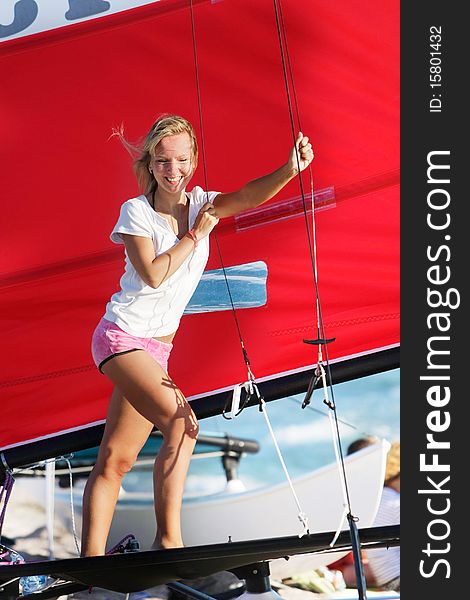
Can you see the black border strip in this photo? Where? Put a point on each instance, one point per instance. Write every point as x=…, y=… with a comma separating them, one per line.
x=434, y=239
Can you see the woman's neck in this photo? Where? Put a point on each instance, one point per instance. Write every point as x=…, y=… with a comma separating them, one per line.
x=168, y=203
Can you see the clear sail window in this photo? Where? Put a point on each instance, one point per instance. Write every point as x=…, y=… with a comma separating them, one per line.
x=247, y=284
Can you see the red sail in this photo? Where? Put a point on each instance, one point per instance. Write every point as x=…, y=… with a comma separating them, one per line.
x=63, y=181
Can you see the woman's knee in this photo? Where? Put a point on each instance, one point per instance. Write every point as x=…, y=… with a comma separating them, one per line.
x=115, y=464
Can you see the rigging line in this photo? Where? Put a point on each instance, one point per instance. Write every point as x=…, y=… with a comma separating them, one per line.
x=282, y=34
x=5, y=490
x=206, y=186
x=301, y=515
x=72, y=506
x=320, y=322
x=320, y=412
x=360, y=579
x=288, y=74
x=312, y=247
x=251, y=377
x=198, y=93
x=297, y=110
x=289, y=102
x=289, y=64
x=283, y=47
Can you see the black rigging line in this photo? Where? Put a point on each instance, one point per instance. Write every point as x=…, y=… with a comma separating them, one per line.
x=294, y=136
x=203, y=152
x=288, y=74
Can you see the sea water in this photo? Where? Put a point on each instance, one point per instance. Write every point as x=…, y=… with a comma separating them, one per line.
x=366, y=406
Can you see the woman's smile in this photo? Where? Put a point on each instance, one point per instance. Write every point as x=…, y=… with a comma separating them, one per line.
x=171, y=165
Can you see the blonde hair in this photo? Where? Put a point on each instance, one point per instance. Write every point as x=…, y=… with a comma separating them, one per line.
x=142, y=153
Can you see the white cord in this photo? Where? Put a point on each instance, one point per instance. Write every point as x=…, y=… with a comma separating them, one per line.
x=72, y=508
x=301, y=515
x=325, y=386
x=50, y=501
x=70, y=471
x=337, y=456
x=251, y=388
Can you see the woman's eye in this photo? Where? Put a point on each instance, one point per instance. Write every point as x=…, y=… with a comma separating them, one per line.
x=163, y=163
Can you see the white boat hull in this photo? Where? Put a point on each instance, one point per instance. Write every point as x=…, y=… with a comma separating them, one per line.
x=265, y=512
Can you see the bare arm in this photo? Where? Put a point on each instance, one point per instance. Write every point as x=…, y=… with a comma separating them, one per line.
x=263, y=189
x=154, y=270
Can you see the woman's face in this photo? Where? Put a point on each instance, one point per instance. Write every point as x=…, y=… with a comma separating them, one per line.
x=172, y=165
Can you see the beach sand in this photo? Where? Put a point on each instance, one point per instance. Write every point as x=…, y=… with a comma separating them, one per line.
x=25, y=523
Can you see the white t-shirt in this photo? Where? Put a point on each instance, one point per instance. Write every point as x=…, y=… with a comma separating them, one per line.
x=138, y=308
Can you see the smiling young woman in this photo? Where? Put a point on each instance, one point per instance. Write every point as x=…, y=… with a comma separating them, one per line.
x=165, y=232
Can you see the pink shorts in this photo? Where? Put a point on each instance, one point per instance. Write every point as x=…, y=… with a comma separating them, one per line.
x=109, y=341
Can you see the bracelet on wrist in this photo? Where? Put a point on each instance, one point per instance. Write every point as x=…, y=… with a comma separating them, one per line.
x=192, y=235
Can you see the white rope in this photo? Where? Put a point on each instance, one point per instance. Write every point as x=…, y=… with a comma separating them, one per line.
x=325, y=386
x=337, y=456
x=252, y=389
x=72, y=508
x=30, y=469
x=139, y=463
x=40, y=464
x=301, y=515
x=50, y=502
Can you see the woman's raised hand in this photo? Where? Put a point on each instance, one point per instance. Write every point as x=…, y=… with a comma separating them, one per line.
x=302, y=148
x=205, y=221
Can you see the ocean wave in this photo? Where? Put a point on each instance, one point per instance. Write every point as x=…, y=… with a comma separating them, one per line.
x=305, y=433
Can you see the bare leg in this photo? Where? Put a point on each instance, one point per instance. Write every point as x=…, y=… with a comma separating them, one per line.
x=125, y=433
x=171, y=467
x=148, y=389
